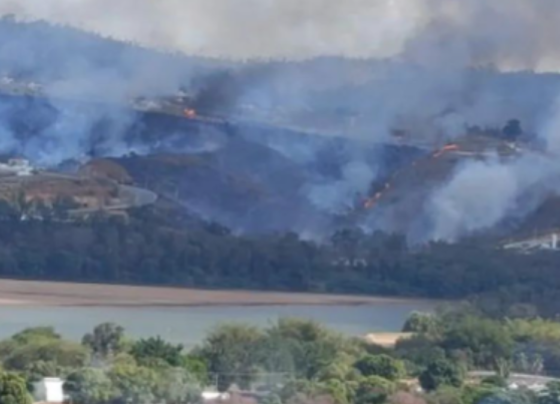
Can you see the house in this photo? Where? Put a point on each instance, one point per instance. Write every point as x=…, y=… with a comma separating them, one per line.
x=49, y=390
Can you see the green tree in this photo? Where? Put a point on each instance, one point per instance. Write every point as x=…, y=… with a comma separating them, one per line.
x=306, y=345
x=106, y=339
x=177, y=386
x=418, y=322
x=151, y=350
x=35, y=371
x=381, y=365
x=90, y=386
x=441, y=372
x=373, y=390
x=30, y=335
x=13, y=389
x=446, y=395
x=57, y=352
x=419, y=351
x=196, y=367
x=134, y=384
x=338, y=390
x=486, y=340
x=233, y=354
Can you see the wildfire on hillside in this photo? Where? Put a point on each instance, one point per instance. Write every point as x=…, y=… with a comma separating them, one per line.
x=372, y=201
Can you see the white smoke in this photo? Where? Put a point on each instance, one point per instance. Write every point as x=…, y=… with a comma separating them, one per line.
x=338, y=196
x=483, y=193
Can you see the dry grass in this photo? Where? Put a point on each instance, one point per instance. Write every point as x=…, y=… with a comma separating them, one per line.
x=34, y=293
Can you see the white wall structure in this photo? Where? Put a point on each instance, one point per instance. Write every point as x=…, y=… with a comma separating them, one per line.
x=49, y=390
x=18, y=167
x=546, y=242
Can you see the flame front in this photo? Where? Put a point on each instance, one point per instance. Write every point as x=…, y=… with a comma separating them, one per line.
x=445, y=149
x=372, y=201
x=189, y=113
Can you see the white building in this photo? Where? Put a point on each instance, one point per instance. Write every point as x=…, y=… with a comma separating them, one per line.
x=49, y=390
x=17, y=167
x=546, y=242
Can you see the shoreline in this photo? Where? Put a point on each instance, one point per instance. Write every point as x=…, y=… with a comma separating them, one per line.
x=17, y=293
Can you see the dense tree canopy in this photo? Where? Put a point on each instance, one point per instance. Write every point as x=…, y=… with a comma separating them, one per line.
x=155, y=248
x=13, y=389
x=294, y=361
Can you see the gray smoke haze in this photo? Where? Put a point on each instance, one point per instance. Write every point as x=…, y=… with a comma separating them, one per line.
x=513, y=33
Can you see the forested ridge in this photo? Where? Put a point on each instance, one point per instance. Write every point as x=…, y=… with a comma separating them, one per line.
x=156, y=247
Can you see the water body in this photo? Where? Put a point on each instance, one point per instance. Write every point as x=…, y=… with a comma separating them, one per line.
x=189, y=325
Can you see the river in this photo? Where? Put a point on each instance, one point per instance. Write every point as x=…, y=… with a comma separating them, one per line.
x=189, y=325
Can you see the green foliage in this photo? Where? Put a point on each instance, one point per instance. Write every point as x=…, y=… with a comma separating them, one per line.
x=495, y=381
x=177, y=386
x=419, y=351
x=446, y=395
x=196, y=367
x=90, y=386
x=418, y=322
x=337, y=390
x=485, y=341
x=150, y=351
x=373, y=390
x=233, y=352
x=441, y=373
x=381, y=365
x=39, y=369
x=36, y=334
x=303, y=346
x=203, y=255
x=13, y=389
x=134, y=384
x=105, y=340
x=536, y=329
x=41, y=345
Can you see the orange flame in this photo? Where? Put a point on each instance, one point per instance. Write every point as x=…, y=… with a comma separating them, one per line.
x=370, y=202
x=189, y=113
x=445, y=149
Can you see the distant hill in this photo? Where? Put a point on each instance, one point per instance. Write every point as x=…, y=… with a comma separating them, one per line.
x=46, y=52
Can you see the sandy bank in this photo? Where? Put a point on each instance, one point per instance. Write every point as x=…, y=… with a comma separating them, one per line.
x=33, y=293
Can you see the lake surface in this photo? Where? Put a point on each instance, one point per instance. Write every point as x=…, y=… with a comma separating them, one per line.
x=189, y=325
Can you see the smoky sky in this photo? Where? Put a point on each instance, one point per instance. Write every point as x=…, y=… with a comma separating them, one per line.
x=515, y=34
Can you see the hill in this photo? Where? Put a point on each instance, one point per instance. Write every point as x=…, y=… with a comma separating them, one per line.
x=269, y=146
